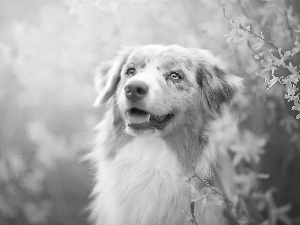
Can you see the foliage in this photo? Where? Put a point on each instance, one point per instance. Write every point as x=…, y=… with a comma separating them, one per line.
x=46, y=95
x=271, y=72
x=268, y=61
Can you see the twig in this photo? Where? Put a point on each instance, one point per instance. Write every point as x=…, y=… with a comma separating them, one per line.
x=207, y=185
x=224, y=196
x=227, y=211
x=255, y=35
x=193, y=213
x=247, y=31
x=227, y=201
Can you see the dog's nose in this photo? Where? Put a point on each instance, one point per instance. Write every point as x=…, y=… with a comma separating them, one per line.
x=136, y=90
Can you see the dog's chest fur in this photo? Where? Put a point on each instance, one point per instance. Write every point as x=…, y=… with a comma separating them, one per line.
x=143, y=185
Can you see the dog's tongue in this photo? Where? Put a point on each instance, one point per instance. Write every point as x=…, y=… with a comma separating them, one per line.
x=138, y=118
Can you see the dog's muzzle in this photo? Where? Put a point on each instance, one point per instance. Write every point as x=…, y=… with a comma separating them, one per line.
x=137, y=117
x=136, y=90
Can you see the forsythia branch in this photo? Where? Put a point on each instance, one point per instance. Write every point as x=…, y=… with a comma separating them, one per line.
x=269, y=61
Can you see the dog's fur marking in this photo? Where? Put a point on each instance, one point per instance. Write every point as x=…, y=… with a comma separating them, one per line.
x=144, y=177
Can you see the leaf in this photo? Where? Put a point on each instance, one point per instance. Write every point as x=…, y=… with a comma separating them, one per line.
x=267, y=55
x=258, y=45
x=237, y=34
x=290, y=96
x=231, y=34
x=292, y=69
x=295, y=50
x=273, y=81
x=293, y=78
x=290, y=86
x=297, y=31
x=296, y=103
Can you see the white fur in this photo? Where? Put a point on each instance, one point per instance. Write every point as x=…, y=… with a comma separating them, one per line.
x=142, y=185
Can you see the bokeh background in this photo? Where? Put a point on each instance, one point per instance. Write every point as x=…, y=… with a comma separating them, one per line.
x=48, y=52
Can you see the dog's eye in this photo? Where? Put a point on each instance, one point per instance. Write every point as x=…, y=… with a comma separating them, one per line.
x=130, y=71
x=174, y=76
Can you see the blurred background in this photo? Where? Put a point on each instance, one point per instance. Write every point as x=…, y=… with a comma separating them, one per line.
x=48, y=51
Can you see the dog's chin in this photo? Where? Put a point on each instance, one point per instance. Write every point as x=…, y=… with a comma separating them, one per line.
x=140, y=122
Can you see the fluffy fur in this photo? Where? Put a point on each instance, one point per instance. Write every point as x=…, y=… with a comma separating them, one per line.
x=145, y=171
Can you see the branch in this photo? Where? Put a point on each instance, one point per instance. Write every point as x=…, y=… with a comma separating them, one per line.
x=247, y=31
x=193, y=213
x=255, y=35
x=228, y=203
x=261, y=58
x=227, y=211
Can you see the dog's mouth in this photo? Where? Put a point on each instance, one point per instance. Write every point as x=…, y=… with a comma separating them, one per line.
x=140, y=119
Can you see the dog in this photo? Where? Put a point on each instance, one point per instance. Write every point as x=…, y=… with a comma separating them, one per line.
x=157, y=161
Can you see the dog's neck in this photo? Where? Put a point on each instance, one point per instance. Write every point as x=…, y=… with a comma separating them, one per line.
x=147, y=174
x=187, y=143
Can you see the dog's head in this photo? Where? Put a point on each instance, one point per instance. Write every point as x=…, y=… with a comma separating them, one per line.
x=160, y=88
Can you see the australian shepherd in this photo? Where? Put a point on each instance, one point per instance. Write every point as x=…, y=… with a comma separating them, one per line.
x=157, y=160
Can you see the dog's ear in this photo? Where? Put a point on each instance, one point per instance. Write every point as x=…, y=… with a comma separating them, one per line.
x=218, y=85
x=107, y=76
